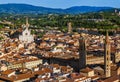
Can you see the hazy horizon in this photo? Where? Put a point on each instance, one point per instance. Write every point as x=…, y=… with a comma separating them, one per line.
x=65, y=4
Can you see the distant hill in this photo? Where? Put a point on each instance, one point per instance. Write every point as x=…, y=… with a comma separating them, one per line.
x=86, y=9
x=25, y=8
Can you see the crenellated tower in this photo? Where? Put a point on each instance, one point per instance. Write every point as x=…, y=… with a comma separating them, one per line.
x=82, y=52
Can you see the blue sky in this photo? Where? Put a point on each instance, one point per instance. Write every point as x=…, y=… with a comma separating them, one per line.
x=66, y=3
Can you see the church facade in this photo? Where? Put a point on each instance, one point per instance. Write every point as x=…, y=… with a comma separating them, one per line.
x=26, y=36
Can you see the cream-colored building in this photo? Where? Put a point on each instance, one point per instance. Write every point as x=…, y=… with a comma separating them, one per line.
x=3, y=68
x=117, y=57
x=94, y=60
x=87, y=72
x=25, y=64
x=32, y=63
x=15, y=66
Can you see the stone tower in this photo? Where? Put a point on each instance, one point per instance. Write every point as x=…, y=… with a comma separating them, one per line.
x=69, y=27
x=27, y=24
x=82, y=52
x=107, y=56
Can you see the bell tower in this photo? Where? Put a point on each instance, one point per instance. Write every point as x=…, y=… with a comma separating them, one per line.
x=69, y=27
x=107, y=56
x=82, y=52
x=27, y=24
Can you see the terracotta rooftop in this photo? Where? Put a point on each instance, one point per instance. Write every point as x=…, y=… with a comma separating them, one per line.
x=86, y=70
x=7, y=72
x=115, y=78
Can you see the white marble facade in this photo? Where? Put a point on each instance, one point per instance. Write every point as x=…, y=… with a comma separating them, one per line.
x=26, y=36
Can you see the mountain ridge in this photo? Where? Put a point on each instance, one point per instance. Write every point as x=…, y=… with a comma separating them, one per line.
x=26, y=8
